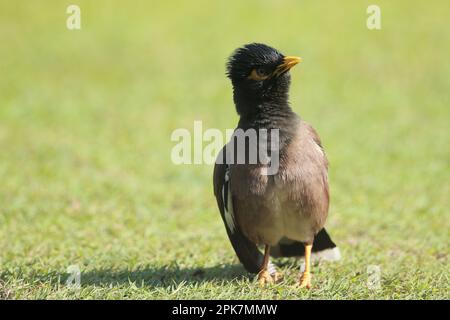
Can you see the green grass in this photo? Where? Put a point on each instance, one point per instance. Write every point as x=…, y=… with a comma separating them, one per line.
x=85, y=124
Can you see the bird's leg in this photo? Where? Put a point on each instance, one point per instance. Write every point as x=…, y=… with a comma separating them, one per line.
x=305, y=278
x=264, y=275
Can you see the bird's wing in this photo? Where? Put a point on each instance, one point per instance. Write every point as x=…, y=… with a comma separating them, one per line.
x=247, y=251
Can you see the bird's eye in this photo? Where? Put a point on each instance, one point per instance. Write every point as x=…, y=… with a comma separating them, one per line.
x=259, y=74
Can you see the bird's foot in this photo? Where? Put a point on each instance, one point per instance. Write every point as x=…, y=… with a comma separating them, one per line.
x=305, y=280
x=277, y=277
x=264, y=277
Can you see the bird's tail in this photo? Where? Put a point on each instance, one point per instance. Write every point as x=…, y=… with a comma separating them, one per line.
x=323, y=248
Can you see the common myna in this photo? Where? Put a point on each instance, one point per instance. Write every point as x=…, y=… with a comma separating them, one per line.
x=284, y=210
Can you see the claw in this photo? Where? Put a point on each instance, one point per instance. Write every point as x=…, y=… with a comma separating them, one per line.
x=277, y=277
x=264, y=277
x=305, y=281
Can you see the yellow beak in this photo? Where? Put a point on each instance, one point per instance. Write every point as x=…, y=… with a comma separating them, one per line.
x=288, y=63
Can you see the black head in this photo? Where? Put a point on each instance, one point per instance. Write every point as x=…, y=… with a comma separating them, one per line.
x=259, y=74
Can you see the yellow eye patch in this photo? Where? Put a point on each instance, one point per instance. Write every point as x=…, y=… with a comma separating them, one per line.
x=258, y=75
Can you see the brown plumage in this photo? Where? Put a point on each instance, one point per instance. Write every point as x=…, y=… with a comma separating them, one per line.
x=292, y=203
x=281, y=209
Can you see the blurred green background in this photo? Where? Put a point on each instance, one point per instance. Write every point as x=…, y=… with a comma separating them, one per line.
x=85, y=124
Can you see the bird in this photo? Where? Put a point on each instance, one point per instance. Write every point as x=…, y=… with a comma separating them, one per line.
x=283, y=211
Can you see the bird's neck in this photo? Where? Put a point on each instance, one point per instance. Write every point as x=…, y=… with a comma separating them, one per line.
x=266, y=115
x=272, y=116
x=248, y=106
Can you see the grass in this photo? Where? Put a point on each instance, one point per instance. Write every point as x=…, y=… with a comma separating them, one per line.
x=85, y=124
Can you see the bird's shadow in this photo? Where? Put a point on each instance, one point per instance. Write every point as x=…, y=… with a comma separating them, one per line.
x=158, y=277
x=148, y=276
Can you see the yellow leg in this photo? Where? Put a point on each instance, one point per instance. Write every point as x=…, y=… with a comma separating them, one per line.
x=305, y=279
x=264, y=275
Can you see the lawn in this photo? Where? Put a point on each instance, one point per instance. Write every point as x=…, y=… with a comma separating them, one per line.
x=86, y=118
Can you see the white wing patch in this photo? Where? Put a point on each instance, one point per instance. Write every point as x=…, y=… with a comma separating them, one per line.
x=228, y=208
